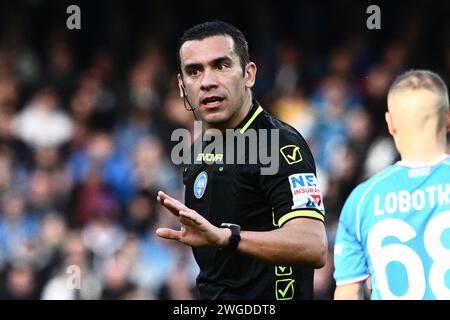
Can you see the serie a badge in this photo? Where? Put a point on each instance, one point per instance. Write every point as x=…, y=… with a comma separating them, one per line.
x=200, y=184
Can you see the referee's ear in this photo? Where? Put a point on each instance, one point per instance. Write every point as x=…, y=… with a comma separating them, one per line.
x=250, y=75
x=180, y=85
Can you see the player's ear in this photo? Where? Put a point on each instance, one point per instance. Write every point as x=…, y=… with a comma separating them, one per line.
x=390, y=123
x=250, y=74
x=180, y=85
x=448, y=121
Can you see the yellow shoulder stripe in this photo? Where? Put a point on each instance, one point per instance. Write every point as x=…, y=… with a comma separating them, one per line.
x=249, y=122
x=300, y=213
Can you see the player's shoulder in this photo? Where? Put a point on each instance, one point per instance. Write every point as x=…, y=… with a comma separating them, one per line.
x=446, y=162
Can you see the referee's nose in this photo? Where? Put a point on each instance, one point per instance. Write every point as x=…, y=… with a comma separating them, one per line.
x=209, y=80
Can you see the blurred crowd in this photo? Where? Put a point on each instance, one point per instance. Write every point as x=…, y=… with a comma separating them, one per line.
x=86, y=118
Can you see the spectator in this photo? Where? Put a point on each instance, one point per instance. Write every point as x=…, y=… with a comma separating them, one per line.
x=42, y=122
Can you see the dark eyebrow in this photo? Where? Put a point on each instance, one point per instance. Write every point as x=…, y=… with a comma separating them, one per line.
x=219, y=60
x=192, y=66
x=216, y=61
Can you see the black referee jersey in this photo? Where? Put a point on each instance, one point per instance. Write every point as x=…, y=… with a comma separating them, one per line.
x=240, y=194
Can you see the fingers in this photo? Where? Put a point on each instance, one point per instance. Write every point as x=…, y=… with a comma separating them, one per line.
x=192, y=216
x=167, y=233
x=163, y=196
x=172, y=204
x=193, y=219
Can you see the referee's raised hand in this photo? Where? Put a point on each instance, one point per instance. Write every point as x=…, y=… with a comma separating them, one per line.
x=195, y=230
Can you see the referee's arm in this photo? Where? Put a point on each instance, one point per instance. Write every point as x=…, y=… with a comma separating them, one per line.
x=299, y=241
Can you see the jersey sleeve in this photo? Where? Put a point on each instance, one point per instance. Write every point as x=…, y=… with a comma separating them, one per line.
x=293, y=190
x=349, y=255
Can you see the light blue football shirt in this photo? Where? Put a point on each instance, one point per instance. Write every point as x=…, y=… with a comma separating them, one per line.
x=395, y=228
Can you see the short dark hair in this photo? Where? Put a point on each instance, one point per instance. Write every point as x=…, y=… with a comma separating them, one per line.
x=216, y=28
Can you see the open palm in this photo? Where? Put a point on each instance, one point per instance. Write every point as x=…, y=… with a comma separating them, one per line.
x=195, y=230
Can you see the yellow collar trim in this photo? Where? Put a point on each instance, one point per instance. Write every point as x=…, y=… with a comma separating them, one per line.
x=249, y=122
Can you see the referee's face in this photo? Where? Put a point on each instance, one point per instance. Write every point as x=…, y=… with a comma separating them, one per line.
x=214, y=81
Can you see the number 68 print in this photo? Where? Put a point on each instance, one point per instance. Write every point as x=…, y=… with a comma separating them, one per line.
x=382, y=255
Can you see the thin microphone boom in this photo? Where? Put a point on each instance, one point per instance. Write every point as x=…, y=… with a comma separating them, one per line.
x=185, y=99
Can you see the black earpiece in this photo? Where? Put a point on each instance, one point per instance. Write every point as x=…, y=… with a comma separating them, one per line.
x=184, y=90
x=185, y=99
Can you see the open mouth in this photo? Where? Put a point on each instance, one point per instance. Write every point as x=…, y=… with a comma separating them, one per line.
x=212, y=101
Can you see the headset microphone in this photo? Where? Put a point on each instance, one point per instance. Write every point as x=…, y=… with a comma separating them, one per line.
x=185, y=99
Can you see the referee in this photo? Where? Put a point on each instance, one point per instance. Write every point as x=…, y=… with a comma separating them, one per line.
x=254, y=236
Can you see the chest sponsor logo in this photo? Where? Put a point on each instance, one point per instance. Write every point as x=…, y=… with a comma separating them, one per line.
x=209, y=157
x=305, y=191
x=200, y=184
